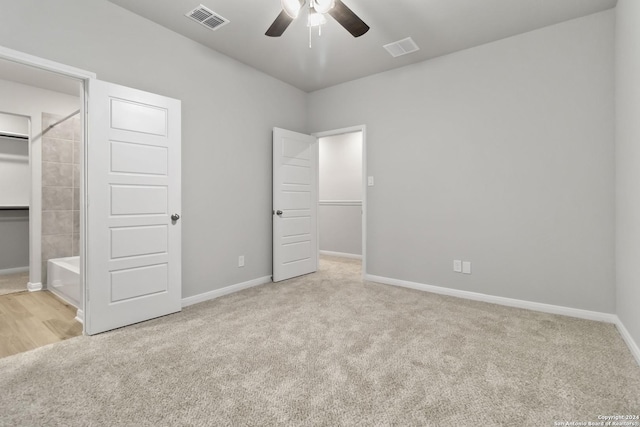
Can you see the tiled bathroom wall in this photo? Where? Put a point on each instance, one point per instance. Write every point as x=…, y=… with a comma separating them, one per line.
x=60, y=188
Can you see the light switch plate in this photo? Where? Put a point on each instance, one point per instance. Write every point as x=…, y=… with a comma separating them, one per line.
x=457, y=266
x=370, y=181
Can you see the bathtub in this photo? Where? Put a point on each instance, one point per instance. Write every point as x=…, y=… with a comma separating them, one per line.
x=63, y=279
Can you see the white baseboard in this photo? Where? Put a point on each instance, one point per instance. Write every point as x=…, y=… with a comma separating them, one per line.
x=224, y=291
x=510, y=302
x=80, y=316
x=33, y=287
x=14, y=270
x=626, y=336
x=340, y=254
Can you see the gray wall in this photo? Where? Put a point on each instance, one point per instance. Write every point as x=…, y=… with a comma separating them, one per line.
x=502, y=155
x=228, y=112
x=627, y=165
x=340, y=193
x=14, y=240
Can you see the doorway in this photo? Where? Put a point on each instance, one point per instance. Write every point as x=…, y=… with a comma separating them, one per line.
x=296, y=248
x=42, y=160
x=342, y=193
x=130, y=262
x=50, y=190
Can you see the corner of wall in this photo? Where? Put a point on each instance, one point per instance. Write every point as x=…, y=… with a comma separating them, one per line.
x=627, y=183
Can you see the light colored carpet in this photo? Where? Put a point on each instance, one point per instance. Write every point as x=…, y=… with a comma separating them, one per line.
x=327, y=349
x=10, y=283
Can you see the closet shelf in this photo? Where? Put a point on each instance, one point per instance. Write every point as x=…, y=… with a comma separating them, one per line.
x=14, y=208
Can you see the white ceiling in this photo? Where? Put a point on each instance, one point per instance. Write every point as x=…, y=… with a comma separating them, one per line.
x=438, y=27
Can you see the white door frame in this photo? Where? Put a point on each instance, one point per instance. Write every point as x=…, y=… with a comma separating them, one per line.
x=363, y=129
x=35, y=213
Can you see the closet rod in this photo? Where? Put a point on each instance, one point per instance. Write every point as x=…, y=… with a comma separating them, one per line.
x=13, y=136
x=61, y=120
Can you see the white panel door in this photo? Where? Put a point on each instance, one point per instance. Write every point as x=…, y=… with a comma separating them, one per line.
x=133, y=270
x=295, y=204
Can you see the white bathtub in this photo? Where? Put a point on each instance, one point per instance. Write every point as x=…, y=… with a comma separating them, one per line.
x=63, y=279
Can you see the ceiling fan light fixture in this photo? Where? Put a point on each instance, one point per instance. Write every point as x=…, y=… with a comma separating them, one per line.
x=336, y=8
x=323, y=6
x=316, y=19
x=292, y=7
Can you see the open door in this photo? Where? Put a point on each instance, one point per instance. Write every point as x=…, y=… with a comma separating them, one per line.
x=133, y=252
x=295, y=204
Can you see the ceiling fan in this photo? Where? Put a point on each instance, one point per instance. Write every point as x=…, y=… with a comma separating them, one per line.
x=317, y=9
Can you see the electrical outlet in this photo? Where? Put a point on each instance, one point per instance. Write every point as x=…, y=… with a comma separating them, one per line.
x=457, y=266
x=370, y=181
x=241, y=261
x=466, y=267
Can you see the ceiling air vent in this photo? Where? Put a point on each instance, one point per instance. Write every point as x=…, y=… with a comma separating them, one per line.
x=205, y=16
x=401, y=47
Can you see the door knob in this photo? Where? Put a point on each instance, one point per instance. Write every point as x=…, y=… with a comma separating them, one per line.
x=175, y=217
x=279, y=213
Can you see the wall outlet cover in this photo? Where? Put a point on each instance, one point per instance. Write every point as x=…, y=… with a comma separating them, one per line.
x=241, y=261
x=466, y=267
x=457, y=266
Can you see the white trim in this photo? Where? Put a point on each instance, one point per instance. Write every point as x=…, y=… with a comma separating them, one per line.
x=340, y=203
x=14, y=270
x=353, y=129
x=224, y=291
x=34, y=287
x=341, y=131
x=626, y=336
x=528, y=305
x=44, y=64
x=80, y=316
x=341, y=254
x=509, y=302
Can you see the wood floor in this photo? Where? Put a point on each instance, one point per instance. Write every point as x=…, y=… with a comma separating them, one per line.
x=32, y=319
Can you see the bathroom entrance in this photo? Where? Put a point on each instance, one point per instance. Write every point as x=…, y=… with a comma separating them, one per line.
x=40, y=163
x=128, y=264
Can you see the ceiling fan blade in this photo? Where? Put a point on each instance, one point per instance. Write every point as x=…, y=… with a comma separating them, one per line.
x=349, y=20
x=279, y=25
